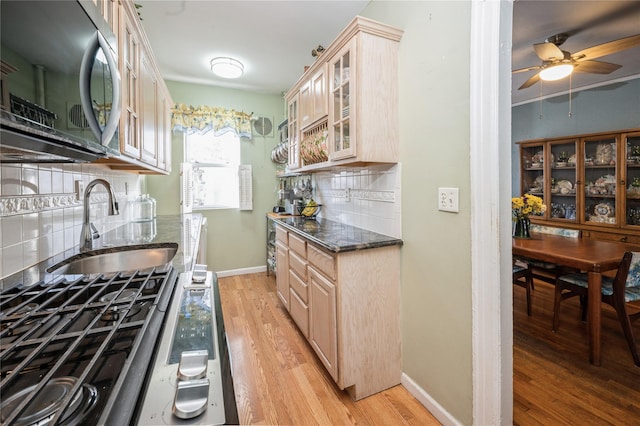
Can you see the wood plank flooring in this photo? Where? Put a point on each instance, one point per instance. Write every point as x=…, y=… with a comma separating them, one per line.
x=279, y=380
x=553, y=381
x=277, y=377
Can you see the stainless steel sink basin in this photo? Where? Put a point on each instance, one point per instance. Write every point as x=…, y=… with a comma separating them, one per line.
x=117, y=259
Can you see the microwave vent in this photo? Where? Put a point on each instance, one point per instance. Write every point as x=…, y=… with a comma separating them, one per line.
x=75, y=117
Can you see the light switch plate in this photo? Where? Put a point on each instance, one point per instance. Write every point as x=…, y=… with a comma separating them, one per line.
x=448, y=200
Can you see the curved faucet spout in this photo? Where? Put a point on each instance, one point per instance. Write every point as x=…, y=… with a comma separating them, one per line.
x=89, y=232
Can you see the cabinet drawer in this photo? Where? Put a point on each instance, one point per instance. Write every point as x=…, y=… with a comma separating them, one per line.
x=322, y=261
x=298, y=245
x=281, y=235
x=299, y=286
x=298, y=264
x=299, y=311
x=631, y=239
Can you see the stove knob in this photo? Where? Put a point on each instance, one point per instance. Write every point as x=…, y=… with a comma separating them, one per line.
x=193, y=365
x=191, y=398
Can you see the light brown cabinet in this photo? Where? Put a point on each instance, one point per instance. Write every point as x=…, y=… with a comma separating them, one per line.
x=145, y=128
x=313, y=98
x=589, y=182
x=347, y=305
x=282, y=266
x=348, y=93
x=293, y=132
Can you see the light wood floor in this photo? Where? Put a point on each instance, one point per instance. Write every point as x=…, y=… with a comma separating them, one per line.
x=279, y=381
x=277, y=377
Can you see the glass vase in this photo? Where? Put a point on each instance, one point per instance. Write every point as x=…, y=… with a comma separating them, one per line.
x=521, y=228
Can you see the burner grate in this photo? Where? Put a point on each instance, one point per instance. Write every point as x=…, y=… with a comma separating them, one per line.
x=90, y=328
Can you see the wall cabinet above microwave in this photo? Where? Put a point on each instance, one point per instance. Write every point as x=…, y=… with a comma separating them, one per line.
x=145, y=134
x=347, y=101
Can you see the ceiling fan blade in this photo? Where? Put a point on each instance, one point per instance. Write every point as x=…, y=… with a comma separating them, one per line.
x=607, y=48
x=596, y=67
x=534, y=67
x=548, y=51
x=530, y=82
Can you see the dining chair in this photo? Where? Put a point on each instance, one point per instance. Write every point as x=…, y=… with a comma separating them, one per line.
x=617, y=292
x=522, y=277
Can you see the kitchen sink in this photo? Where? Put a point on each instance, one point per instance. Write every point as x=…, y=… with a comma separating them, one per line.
x=117, y=259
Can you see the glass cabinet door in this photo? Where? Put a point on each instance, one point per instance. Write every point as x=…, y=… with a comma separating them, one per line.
x=294, y=134
x=600, y=179
x=632, y=179
x=342, y=105
x=562, y=168
x=532, y=164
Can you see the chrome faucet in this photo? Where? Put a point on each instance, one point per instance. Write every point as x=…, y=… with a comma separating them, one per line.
x=89, y=231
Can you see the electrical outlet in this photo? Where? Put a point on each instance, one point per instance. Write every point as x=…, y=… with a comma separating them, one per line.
x=79, y=185
x=448, y=200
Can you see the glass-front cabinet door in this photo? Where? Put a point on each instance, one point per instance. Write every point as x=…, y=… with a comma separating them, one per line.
x=600, y=178
x=294, y=133
x=532, y=159
x=342, y=104
x=631, y=179
x=564, y=180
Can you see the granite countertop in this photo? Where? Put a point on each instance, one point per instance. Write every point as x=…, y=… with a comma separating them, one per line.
x=335, y=236
x=181, y=229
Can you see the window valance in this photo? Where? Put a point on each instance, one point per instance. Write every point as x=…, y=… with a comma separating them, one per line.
x=203, y=119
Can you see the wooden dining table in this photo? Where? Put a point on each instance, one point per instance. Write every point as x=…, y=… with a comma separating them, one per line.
x=587, y=254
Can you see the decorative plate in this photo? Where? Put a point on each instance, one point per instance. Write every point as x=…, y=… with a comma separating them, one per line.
x=565, y=184
x=603, y=210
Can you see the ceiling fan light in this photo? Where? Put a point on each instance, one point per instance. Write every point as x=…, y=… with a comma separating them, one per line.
x=556, y=72
x=227, y=67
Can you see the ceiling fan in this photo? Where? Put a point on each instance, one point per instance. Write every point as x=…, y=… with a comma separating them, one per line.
x=558, y=63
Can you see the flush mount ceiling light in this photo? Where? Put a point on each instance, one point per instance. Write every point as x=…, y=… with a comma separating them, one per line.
x=556, y=72
x=227, y=67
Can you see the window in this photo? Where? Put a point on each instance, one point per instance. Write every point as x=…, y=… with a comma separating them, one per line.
x=215, y=161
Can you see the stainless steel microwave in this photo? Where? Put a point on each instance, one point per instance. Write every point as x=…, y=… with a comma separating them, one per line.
x=60, y=82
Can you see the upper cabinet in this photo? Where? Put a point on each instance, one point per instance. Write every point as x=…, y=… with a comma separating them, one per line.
x=588, y=182
x=145, y=129
x=348, y=106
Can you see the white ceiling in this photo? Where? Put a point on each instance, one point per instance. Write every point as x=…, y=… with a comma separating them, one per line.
x=274, y=39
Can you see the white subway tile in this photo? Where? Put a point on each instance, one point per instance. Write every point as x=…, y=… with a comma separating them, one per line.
x=11, y=180
x=11, y=230
x=11, y=259
x=30, y=226
x=29, y=181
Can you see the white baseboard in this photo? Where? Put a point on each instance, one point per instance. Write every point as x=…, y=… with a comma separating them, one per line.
x=243, y=271
x=430, y=404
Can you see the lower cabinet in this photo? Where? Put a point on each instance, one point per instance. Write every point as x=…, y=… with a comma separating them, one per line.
x=323, y=330
x=347, y=305
x=282, y=273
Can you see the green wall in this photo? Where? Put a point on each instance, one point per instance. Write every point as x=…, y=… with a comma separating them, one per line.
x=434, y=151
x=236, y=239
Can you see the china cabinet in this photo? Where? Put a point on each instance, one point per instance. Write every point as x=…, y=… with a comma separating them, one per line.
x=348, y=107
x=589, y=182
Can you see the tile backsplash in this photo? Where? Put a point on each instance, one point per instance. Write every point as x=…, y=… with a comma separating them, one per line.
x=366, y=197
x=40, y=215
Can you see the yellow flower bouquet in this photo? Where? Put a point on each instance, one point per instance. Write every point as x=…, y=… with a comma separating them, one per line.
x=521, y=208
